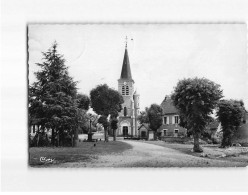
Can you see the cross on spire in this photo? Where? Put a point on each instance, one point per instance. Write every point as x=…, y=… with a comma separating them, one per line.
x=126, y=41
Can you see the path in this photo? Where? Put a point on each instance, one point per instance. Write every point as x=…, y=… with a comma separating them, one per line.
x=148, y=155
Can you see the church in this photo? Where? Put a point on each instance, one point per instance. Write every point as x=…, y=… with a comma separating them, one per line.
x=128, y=123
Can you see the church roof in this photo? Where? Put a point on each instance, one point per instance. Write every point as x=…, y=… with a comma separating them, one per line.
x=168, y=106
x=126, y=70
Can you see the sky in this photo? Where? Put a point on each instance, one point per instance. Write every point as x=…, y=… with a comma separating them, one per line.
x=160, y=55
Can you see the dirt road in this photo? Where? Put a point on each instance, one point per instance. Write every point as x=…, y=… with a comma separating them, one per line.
x=148, y=155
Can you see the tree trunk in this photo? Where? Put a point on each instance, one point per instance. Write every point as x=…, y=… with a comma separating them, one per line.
x=106, y=134
x=75, y=137
x=147, y=135
x=197, y=147
x=155, y=135
x=114, y=134
x=38, y=136
x=52, y=138
x=72, y=138
x=90, y=134
x=38, y=139
x=90, y=137
x=58, y=139
x=227, y=137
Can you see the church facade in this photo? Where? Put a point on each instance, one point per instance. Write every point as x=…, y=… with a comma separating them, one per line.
x=128, y=123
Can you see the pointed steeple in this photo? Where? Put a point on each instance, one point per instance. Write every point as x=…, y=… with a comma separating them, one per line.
x=126, y=70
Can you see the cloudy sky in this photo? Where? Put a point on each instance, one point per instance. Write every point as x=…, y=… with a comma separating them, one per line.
x=160, y=55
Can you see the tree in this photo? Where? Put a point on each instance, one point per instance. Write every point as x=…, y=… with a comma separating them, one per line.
x=92, y=125
x=105, y=123
x=196, y=98
x=83, y=101
x=154, y=114
x=114, y=126
x=106, y=102
x=143, y=116
x=53, y=99
x=230, y=113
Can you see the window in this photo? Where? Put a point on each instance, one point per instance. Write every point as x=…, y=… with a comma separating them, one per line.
x=165, y=120
x=123, y=90
x=176, y=119
x=127, y=90
x=125, y=111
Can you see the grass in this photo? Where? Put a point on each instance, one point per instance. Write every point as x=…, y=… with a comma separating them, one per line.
x=213, y=151
x=85, y=151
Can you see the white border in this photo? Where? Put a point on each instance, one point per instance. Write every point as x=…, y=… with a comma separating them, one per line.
x=16, y=176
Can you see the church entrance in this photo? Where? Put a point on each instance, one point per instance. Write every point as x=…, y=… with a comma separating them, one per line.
x=125, y=130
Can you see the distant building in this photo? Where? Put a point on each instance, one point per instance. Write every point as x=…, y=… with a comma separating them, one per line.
x=128, y=123
x=145, y=132
x=170, y=126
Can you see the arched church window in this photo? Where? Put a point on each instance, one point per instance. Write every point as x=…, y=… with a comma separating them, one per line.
x=123, y=90
x=125, y=111
x=127, y=90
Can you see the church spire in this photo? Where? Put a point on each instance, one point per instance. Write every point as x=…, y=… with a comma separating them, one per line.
x=126, y=70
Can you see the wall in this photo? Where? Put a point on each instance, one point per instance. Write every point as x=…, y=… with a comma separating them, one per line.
x=170, y=130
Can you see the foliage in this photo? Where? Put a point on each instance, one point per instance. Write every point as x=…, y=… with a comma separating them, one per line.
x=154, y=114
x=114, y=123
x=143, y=116
x=195, y=98
x=231, y=114
x=104, y=121
x=53, y=102
x=106, y=101
x=83, y=101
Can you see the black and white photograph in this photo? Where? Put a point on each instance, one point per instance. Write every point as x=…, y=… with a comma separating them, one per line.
x=137, y=95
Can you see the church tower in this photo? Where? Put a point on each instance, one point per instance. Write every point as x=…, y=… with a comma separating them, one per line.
x=128, y=116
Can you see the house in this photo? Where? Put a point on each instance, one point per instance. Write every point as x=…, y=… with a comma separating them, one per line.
x=170, y=126
x=145, y=132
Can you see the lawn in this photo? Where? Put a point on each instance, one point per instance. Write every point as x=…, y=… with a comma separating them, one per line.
x=85, y=151
x=212, y=151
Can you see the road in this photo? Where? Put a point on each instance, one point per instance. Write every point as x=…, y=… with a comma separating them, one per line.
x=148, y=155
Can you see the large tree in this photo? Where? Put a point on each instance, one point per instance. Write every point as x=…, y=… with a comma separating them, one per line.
x=196, y=98
x=230, y=113
x=154, y=114
x=106, y=102
x=53, y=101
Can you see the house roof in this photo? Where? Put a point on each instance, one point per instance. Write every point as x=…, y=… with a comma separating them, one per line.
x=126, y=70
x=144, y=125
x=168, y=106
